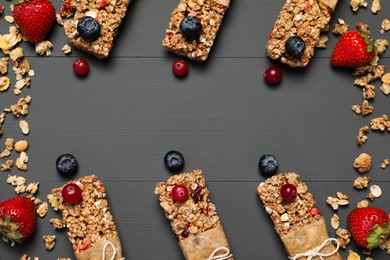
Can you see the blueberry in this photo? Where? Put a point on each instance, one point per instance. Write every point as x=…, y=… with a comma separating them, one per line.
x=67, y=165
x=295, y=46
x=268, y=164
x=88, y=28
x=174, y=161
x=190, y=27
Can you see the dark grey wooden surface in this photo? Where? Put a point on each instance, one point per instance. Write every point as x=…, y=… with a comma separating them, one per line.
x=130, y=110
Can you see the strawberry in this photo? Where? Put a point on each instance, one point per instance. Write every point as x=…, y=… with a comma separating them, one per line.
x=35, y=18
x=369, y=226
x=17, y=219
x=354, y=49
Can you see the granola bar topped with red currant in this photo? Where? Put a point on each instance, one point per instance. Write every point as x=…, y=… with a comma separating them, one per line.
x=185, y=200
x=86, y=214
x=298, y=222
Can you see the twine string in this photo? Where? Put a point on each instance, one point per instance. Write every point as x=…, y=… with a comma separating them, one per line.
x=315, y=252
x=224, y=256
x=113, y=251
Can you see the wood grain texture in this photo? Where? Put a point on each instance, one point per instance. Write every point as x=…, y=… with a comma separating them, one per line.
x=121, y=120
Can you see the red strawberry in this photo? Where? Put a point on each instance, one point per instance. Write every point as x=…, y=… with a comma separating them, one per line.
x=17, y=219
x=354, y=49
x=35, y=18
x=369, y=226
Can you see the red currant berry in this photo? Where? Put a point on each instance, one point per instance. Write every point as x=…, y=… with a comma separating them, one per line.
x=71, y=193
x=273, y=75
x=81, y=67
x=288, y=192
x=315, y=211
x=179, y=193
x=180, y=68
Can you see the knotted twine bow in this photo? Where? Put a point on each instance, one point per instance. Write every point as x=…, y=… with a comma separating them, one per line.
x=316, y=251
x=226, y=255
x=113, y=251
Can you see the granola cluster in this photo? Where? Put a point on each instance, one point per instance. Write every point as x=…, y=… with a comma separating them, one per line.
x=287, y=216
x=109, y=14
x=306, y=19
x=88, y=221
x=210, y=13
x=193, y=216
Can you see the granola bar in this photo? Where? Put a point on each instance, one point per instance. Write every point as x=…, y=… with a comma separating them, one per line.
x=307, y=19
x=210, y=13
x=91, y=227
x=108, y=13
x=298, y=223
x=194, y=221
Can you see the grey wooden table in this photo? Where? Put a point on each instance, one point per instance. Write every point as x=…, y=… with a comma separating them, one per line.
x=130, y=110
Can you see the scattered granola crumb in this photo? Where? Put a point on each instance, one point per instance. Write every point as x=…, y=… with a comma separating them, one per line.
x=385, y=26
x=363, y=109
x=4, y=83
x=385, y=163
x=376, y=6
x=32, y=188
x=343, y=236
x=380, y=123
x=361, y=182
x=336, y=202
x=15, y=180
x=58, y=223
x=21, y=146
x=21, y=161
x=362, y=163
x=363, y=204
x=7, y=165
x=23, y=124
x=9, y=144
x=5, y=153
x=42, y=209
x=50, y=241
x=59, y=19
x=335, y=221
x=375, y=192
x=361, y=138
x=66, y=49
x=381, y=45
x=340, y=27
x=9, y=18
x=21, y=108
x=385, y=88
x=355, y=4
x=368, y=92
x=353, y=256
x=43, y=48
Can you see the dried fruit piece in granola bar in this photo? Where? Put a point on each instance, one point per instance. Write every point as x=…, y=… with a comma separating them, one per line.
x=90, y=223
